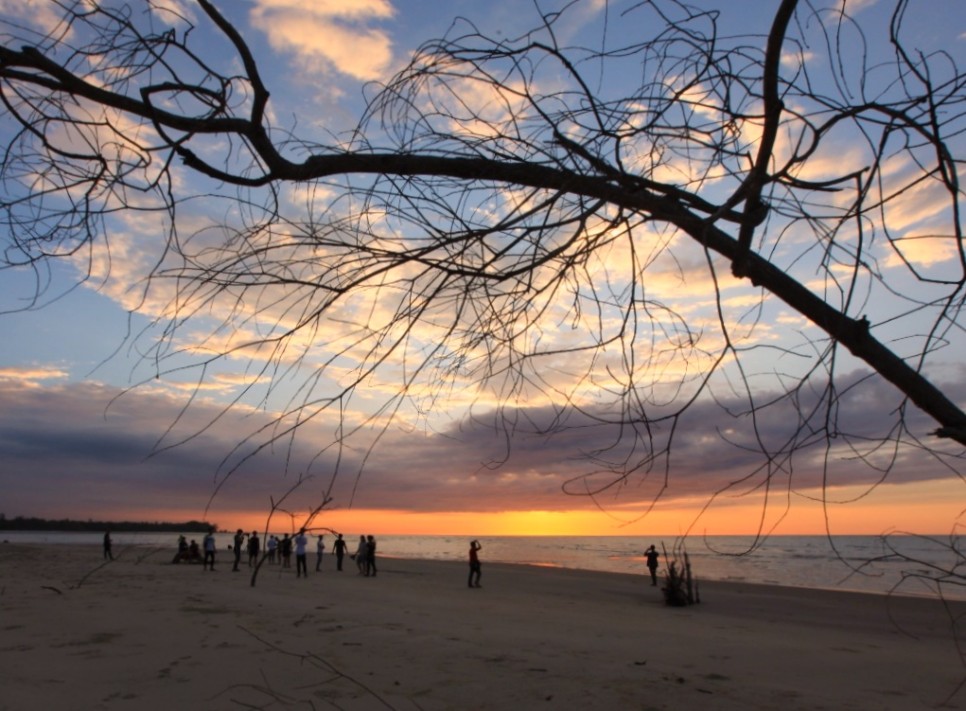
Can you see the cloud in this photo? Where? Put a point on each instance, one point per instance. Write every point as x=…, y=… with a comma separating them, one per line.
x=924, y=250
x=87, y=450
x=173, y=12
x=855, y=6
x=43, y=14
x=526, y=458
x=79, y=450
x=32, y=375
x=330, y=34
x=797, y=58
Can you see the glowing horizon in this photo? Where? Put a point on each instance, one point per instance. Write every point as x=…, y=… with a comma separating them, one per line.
x=904, y=508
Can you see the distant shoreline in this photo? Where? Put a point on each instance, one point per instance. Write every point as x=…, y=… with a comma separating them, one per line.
x=24, y=524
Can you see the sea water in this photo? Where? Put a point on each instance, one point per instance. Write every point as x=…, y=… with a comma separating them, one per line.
x=898, y=564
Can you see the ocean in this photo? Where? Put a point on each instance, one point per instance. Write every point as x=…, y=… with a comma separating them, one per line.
x=898, y=564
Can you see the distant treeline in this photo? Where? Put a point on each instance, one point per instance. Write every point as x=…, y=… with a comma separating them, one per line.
x=22, y=523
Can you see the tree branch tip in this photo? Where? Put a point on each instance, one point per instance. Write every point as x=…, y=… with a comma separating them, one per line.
x=957, y=433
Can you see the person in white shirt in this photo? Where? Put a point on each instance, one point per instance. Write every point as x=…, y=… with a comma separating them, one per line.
x=360, y=555
x=301, y=542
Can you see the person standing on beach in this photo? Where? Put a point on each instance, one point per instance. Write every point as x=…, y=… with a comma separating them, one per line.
x=371, y=557
x=339, y=548
x=182, y=554
x=652, y=562
x=301, y=543
x=254, y=547
x=238, y=542
x=208, y=544
x=108, y=555
x=272, y=546
x=475, y=568
x=319, y=548
x=360, y=555
x=285, y=551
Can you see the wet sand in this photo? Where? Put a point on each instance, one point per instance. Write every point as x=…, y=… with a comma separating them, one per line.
x=139, y=633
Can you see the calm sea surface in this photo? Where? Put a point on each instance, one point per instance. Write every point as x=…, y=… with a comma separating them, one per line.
x=842, y=563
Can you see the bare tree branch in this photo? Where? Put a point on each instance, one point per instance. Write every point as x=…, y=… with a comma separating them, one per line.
x=453, y=239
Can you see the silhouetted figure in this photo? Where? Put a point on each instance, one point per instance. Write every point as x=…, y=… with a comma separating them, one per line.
x=108, y=555
x=339, y=548
x=238, y=541
x=182, y=554
x=301, y=566
x=475, y=568
x=360, y=555
x=371, y=557
x=285, y=550
x=208, y=544
x=254, y=548
x=319, y=549
x=652, y=562
x=194, y=553
x=272, y=547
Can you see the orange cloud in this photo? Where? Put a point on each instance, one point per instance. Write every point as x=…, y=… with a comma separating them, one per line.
x=925, y=250
x=328, y=32
x=30, y=375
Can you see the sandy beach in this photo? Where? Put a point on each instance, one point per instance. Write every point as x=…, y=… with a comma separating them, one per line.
x=140, y=633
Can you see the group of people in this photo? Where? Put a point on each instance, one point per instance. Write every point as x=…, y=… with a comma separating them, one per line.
x=280, y=550
x=187, y=553
x=193, y=553
x=277, y=550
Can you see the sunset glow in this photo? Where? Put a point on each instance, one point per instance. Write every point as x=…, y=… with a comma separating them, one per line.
x=632, y=382
x=919, y=509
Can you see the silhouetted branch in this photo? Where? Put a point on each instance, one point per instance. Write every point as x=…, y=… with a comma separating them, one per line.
x=500, y=227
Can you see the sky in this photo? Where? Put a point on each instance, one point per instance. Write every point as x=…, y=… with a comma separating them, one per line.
x=105, y=414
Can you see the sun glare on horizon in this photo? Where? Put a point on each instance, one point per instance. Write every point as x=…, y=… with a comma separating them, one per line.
x=886, y=509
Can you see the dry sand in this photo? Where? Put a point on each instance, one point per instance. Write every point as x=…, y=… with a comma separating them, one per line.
x=139, y=633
